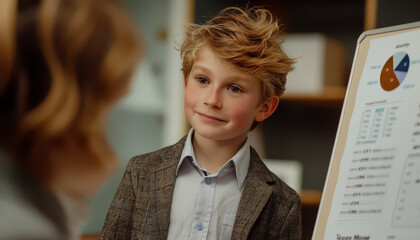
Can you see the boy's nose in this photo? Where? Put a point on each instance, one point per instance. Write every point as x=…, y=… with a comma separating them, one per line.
x=213, y=98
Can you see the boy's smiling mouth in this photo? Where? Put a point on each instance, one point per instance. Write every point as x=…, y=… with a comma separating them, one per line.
x=210, y=118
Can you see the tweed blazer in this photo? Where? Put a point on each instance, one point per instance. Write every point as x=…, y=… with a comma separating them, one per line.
x=268, y=208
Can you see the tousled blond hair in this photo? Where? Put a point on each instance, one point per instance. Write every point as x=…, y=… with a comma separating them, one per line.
x=63, y=64
x=250, y=39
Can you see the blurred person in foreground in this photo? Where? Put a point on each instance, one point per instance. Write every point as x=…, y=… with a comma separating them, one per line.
x=62, y=66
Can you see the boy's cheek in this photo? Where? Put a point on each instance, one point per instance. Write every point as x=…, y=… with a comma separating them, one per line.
x=189, y=102
x=192, y=95
x=242, y=116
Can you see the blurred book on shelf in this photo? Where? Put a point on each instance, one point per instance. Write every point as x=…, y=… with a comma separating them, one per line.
x=320, y=64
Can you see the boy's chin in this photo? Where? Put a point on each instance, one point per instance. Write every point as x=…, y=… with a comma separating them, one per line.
x=218, y=135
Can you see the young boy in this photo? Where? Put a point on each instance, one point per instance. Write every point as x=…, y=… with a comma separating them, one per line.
x=212, y=184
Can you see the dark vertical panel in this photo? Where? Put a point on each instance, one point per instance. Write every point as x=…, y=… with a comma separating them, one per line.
x=391, y=12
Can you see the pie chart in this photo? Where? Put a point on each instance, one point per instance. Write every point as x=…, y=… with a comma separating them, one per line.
x=394, y=71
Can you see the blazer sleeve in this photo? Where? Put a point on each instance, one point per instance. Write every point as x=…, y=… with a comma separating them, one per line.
x=292, y=227
x=119, y=220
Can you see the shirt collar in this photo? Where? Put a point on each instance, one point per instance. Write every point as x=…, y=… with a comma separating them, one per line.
x=240, y=160
x=187, y=151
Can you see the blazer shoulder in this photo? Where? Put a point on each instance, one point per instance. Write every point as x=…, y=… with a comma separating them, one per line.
x=164, y=155
x=280, y=188
x=285, y=191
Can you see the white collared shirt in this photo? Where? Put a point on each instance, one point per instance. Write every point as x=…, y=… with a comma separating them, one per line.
x=204, y=205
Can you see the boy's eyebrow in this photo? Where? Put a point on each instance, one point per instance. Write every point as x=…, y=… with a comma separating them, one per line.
x=234, y=77
x=241, y=78
x=201, y=68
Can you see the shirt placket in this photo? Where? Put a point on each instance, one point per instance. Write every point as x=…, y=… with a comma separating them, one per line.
x=204, y=208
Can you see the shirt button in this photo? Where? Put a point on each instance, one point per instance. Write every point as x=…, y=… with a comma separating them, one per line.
x=208, y=181
x=199, y=226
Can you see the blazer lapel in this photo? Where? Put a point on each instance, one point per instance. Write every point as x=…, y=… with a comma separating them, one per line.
x=163, y=183
x=255, y=195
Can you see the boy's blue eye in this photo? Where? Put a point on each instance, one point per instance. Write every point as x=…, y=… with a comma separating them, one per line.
x=235, y=89
x=201, y=80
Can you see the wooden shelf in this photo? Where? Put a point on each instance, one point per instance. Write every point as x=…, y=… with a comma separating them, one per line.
x=89, y=237
x=328, y=94
x=310, y=197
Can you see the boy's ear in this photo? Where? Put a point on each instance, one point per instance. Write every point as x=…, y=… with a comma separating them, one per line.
x=267, y=108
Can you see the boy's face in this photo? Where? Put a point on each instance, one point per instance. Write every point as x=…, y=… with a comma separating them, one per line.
x=221, y=103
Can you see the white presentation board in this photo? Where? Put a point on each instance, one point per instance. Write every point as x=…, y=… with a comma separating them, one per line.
x=372, y=189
